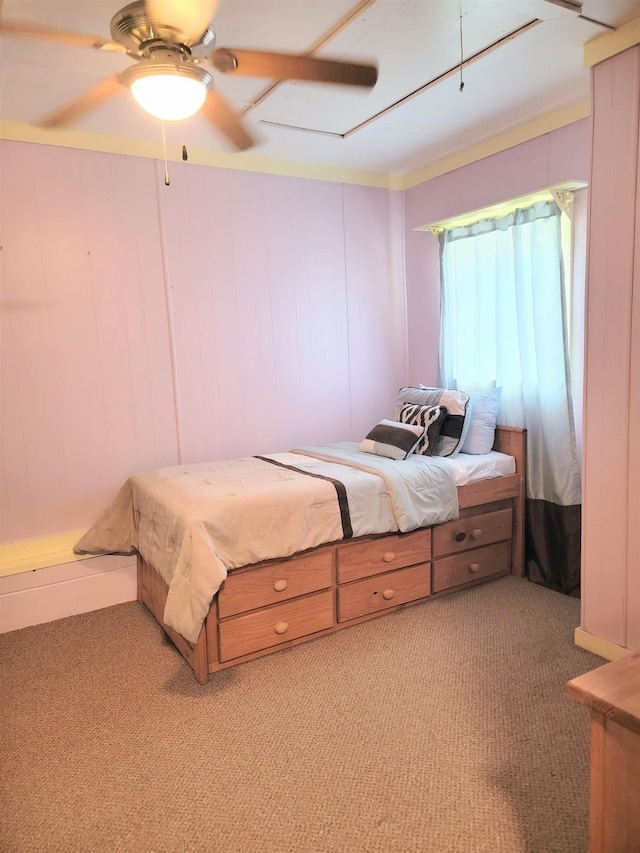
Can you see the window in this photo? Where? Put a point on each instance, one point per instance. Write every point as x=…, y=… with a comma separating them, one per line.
x=505, y=298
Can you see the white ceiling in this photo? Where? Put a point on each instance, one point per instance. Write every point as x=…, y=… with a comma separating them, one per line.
x=413, y=42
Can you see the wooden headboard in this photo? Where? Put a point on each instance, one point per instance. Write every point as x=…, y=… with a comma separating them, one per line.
x=513, y=442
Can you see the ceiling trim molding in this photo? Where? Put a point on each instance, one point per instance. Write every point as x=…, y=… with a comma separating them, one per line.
x=609, y=44
x=494, y=145
x=18, y=132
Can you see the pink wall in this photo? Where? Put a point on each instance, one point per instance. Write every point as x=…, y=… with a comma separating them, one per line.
x=236, y=313
x=86, y=374
x=230, y=313
x=611, y=505
x=556, y=157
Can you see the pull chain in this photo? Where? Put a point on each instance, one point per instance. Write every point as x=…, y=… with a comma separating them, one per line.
x=167, y=181
x=461, y=86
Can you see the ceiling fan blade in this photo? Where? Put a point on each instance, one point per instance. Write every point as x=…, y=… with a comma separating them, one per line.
x=85, y=103
x=189, y=18
x=218, y=111
x=291, y=66
x=26, y=29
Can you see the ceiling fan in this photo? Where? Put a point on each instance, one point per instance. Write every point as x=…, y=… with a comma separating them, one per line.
x=172, y=42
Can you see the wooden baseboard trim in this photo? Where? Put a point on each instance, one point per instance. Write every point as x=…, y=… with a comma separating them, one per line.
x=46, y=600
x=18, y=557
x=599, y=646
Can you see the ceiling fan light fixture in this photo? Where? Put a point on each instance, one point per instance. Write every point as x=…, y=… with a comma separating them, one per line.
x=167, y=91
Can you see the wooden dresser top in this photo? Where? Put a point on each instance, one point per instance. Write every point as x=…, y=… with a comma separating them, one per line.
x=612, y=690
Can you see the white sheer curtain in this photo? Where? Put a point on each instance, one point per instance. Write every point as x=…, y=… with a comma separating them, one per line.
x=503, y=323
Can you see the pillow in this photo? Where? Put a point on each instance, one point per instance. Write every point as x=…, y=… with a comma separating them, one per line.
x=484, y=416
x=392, y=439
x=430, y=418
x=456, y=423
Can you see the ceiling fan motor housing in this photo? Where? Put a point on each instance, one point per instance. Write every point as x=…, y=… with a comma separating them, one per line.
x=132, y=27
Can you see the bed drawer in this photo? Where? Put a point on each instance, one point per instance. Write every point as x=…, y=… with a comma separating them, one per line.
x=374, y=556
x=471, y=532
x=450, y=572
x=253, y=588
x=242, y=635
x=380, y=592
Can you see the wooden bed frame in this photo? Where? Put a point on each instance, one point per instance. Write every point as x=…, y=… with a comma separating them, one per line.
x=277, y=604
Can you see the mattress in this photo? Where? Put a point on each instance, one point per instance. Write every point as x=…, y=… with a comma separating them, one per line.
x=468, y=469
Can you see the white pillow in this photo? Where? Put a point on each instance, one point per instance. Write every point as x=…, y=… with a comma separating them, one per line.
x=482, y=425
x=392, y=439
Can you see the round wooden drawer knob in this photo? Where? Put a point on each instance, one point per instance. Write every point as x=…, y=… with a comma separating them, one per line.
x=280, y=586
x=389, y=557
x=460, y=537
x=476, y=533
x=281, y=627
x=388, y=594
x=474, y=567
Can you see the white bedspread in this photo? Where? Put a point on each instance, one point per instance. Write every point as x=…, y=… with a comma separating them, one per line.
x=193, y=523
x=422, y=489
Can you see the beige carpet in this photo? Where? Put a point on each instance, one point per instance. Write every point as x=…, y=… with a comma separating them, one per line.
x=443, y=727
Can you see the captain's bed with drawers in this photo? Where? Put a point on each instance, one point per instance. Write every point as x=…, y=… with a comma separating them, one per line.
x=242, y=557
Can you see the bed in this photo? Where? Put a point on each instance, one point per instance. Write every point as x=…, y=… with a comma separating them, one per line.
x=241, y=558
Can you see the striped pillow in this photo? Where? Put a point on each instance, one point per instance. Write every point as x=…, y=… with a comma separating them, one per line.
x=430, y=418
x=456, y=423
x=392, y=439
